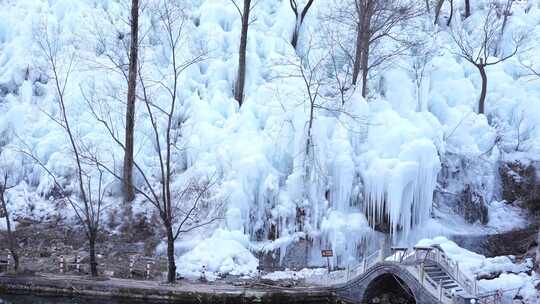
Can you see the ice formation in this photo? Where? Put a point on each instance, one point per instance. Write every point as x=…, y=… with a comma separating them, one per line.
x=372, y=162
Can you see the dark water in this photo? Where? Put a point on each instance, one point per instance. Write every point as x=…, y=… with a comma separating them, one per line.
x=26, y=299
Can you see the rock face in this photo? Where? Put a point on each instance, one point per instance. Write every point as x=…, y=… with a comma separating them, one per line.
x=515, y=242
x=465, y=186
x=473, y=206
x=520, y=181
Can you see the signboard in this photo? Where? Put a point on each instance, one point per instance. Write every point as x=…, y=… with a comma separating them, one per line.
x=327, y=253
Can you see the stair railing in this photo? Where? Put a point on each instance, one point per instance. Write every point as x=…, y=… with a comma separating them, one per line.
x=452, y=268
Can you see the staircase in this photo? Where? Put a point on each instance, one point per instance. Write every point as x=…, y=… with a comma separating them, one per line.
x=436, y=273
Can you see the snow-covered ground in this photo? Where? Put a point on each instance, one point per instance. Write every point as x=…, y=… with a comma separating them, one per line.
x=384, y=153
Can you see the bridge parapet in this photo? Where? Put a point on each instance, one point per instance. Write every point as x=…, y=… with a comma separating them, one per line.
x=429, y=269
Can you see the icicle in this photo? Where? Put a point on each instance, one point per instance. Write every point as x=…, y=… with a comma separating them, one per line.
x=401, y=190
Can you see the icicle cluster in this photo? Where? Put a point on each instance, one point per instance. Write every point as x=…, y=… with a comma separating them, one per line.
x=401, y=190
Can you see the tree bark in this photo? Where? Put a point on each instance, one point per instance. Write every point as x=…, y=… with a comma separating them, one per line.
x=129, y=193
x=361, y=62
x=438, y=10
x=365, y=64
x=299, y=21
x=358, y=55
x=451, y=13
x=241, y=78
x=467, y=9
x=11, y=238
x=93, y=260
x=482, y=100
x=171, y=268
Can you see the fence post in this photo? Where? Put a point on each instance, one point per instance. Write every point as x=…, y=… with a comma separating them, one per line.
x=364, y=265
x=61, y=264
x=422, y=273
x=78, y=263
x=131, y=263
x=8, y=261
x=475, y=285
x=440, y=289
x=148, y=270
x=203, y=273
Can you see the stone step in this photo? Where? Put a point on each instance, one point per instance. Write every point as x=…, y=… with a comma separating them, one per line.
x=450, y=286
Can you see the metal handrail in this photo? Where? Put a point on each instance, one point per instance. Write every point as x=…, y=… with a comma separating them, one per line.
x=452, y=268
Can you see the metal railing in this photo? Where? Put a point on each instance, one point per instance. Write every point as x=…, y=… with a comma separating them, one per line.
x=5, y=261
x=451, y=267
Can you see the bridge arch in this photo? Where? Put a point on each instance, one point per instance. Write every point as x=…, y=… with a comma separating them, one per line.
x=388, y=288
x=361, y=289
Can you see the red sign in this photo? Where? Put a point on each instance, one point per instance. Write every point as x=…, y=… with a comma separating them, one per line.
x=327, y=253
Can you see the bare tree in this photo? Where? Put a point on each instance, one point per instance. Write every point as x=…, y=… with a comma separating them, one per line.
x=86, y=205
x=241, y=75
x=6, y=184
x=299, y=15
x=451, y=13
x=438, y=9
x=477, y=50
x=523, y=130
x=531, y=69
x=129, y=194
x=421, y=56
x=376, y=20
x=180, y=209
x=505, y=12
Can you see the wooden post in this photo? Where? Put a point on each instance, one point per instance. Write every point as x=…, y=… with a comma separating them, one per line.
x=328, y=262
x=422, y=273
x=364, y=266
x=78, y=263
x=8, y=259
x=381, y=253
x=440, y=289
x=203, y=273
x=61, y=264
x=148, y=270
x=131, y=263
x=475, y=286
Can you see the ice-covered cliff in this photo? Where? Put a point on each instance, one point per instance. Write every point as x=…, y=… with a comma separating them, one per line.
x=374, y=165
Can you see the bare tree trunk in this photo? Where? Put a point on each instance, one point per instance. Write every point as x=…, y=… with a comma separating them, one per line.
x=299, y=19
x=467, y=9
x=451, y=12
x=129, y=193
x=171, y=268
x=358, y=55
x=482, y=100
x=438, y=10
x=241, y=78
x=365, y=64
x=506, y=13
x=93, y=261
x=11, y=238
x=361, y=62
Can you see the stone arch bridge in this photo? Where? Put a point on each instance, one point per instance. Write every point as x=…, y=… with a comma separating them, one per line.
x=424, y=276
